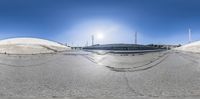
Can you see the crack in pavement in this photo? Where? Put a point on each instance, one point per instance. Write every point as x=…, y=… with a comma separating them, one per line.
x=145, y=67
x=129, y=87
x=188, y=57
x=139, y=94
x=32, y=65
x=133, y=69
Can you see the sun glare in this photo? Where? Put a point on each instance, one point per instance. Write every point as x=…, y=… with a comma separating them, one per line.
x=100, y=36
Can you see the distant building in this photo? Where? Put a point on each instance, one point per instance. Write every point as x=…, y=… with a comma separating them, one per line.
x=76, y=48
x=164, y=46
x=121, y=47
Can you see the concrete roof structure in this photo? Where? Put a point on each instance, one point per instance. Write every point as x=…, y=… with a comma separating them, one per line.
x=191, y=47
x=30, y=46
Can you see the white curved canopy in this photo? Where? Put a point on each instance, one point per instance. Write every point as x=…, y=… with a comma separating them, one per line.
x=30, y=46
x=192, y=47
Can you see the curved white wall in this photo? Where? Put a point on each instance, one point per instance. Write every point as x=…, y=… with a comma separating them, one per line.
x=30, y=46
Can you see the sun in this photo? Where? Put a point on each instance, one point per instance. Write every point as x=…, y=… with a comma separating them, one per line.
x=100, y=36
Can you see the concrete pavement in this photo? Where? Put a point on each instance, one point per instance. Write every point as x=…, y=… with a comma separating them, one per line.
x=174, y=75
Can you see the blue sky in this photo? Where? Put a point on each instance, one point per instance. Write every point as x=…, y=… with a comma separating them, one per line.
x=74, y=21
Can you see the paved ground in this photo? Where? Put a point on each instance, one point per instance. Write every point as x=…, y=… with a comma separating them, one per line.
x=81, y=75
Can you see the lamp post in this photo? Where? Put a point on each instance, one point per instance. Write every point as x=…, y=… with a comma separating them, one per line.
x=92, y=37
x=135, y=37
x=189, y=35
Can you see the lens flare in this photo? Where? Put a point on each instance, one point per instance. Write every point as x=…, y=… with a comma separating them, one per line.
x=100, y=36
